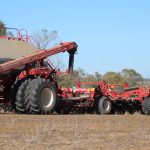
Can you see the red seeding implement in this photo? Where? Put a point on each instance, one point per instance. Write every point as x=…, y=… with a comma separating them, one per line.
x=27, y=83
x=121, y=99
x=104, y=99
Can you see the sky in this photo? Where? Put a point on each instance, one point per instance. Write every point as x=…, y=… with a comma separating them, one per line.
x=111, y=34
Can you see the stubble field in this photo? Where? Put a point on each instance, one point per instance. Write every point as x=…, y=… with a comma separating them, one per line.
x=74, y=132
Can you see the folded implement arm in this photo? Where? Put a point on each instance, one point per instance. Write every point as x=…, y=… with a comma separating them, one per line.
x=70, y=47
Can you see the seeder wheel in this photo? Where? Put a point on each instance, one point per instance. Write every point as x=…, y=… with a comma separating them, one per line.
x=146, y=106
x=104, y=105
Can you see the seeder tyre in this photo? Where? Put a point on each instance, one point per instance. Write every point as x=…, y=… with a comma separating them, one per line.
x=40, y=96
x=104, y=105
x=146, y=106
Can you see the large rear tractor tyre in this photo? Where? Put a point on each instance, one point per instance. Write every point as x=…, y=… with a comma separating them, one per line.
x=104, y=105
x=13, y=92
x=14, y=89
x=20, y=102
x=146, y=106
x=40, y=96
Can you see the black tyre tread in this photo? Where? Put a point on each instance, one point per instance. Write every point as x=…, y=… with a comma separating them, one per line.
x=101, y=108
x=19, y=104
x=96, y=105
x=27, y=95
x=146, y=106
x=32, y=95
x=14, y=89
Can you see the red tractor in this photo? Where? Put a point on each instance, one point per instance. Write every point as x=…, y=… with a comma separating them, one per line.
x=27, y=84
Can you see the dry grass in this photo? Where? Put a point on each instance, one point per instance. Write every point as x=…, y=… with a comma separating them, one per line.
x=74, y=132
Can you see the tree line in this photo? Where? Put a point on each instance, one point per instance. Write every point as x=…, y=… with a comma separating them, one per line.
x=130, y=76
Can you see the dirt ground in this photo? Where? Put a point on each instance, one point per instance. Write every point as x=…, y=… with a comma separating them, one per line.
x=74, y=132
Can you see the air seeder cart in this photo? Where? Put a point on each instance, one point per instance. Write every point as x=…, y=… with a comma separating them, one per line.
x=26, y=83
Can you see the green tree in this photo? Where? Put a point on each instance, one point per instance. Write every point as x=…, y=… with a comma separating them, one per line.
x=98, y=76
x=3, y=30
x=132, y=77
x=69, y=80
x=89, y=78
x=43, y=40
x=81, y=74
x=44, y=37
x=112, y=77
